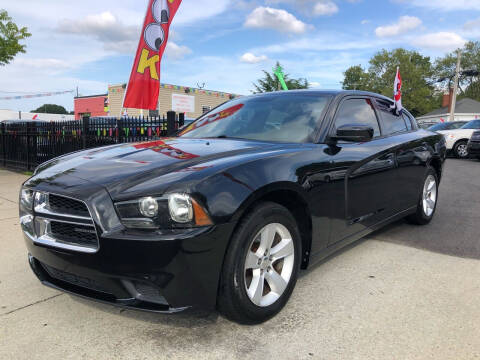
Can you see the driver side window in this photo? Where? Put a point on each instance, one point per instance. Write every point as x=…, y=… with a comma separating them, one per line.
x=357, y=111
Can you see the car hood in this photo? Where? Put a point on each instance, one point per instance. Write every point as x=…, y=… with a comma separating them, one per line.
x=142, y=161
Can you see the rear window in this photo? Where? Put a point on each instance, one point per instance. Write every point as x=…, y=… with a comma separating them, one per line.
x=391, y=122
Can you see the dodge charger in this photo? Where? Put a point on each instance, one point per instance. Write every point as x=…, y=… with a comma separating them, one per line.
x=225, y=214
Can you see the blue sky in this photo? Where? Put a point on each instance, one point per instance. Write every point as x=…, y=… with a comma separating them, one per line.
x=224, y=44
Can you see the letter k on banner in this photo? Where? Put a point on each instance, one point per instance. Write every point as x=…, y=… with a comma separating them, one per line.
x=144, y=84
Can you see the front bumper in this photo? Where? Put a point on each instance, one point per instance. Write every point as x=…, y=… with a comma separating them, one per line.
x=164, y=270
x=167, y=274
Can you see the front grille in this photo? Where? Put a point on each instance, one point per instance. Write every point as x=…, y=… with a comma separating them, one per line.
x=64, y=205
x=82, y=235
x=73, y=279
x=64, y=222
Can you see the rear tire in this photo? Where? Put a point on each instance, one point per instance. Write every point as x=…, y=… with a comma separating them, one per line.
x=427, y=203
x=461, y=149
x=257, y=279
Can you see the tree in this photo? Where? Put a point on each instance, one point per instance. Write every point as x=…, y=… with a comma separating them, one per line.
x=444, y=70
x=10, y=37
x=355, y=78
x=51, y=109
x=270, y=83
x=419, y=95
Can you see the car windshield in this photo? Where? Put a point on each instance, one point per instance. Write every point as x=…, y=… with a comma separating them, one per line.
x=447, y=126
x=474, y=124
x=273, y=117
x=436, y=127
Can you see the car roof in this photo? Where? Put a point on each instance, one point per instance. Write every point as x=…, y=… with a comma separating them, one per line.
x=335, y=93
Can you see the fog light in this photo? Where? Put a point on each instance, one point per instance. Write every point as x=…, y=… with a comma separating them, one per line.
x=148, y=207
x=26, y=223
x=180, y=207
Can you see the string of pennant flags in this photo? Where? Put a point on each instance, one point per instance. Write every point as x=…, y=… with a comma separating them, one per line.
x=105, y=132
x=182, y=88
x=31, y=96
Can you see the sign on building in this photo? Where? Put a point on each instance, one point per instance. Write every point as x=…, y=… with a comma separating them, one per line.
x=183, y=103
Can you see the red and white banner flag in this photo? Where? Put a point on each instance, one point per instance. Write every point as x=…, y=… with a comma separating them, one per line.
x=397, y=92
x=144, y=85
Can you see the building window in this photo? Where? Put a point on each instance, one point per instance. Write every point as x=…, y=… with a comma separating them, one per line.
x=206, y=109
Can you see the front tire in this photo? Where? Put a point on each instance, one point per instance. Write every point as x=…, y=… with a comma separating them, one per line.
x=461, y=149
x=261, y=265
x=427, y=204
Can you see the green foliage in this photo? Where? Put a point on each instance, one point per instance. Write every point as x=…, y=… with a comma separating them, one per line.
x=271, y=83
x=10, y=37
x=355, y=78
x=51, y=109
x=444, y=70
x=418, y=94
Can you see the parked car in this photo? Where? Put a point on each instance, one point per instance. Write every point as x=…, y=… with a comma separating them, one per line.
x=227, y=213
x=426, y=125
x=473, y=147
x=457, y=139
x=450, y=125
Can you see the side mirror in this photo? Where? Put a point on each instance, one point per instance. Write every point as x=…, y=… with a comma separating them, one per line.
x=354, y=133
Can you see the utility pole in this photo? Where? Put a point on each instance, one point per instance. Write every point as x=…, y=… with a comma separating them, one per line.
x=455, y=87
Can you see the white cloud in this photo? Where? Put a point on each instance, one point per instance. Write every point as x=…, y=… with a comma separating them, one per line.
x=314, y=84
x=174, y=51
x=444, y=41
x=445, y=5
x=312, y=7
x=403, y=25
x=364, y=22
x=472, y=25
x=104, y=27
x=250, y=58
x=45, y=64
x=325, y=8
x=321, y=43
x=276, y=19
x=43, y=75
x=191, y=12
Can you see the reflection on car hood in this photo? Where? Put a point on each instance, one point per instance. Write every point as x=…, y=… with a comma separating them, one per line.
x=113, y=164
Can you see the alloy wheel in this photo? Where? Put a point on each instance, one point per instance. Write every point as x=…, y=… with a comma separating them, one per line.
x=429, y=195
x=462, y=150
x=269, y=264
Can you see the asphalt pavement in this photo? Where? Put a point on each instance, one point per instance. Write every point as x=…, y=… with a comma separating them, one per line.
x=404, y=292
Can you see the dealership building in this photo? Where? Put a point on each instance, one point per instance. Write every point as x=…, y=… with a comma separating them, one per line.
x=93, y=105
x=182, y=99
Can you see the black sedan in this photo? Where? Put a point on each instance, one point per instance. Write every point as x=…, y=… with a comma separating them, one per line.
x=225, y=214
x=473, y=146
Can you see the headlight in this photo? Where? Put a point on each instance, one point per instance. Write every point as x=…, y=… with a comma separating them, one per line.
x=148, y=207
x=180, y=207
x=26, y=200
x=26, y=211
x=172, y=211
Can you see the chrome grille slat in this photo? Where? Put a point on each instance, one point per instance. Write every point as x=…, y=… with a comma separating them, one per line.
x=67, y=230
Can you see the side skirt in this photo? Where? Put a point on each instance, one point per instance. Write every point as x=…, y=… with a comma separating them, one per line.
x=315, y=258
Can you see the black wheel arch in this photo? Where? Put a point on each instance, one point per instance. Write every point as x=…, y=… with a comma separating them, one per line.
x=292, y=197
